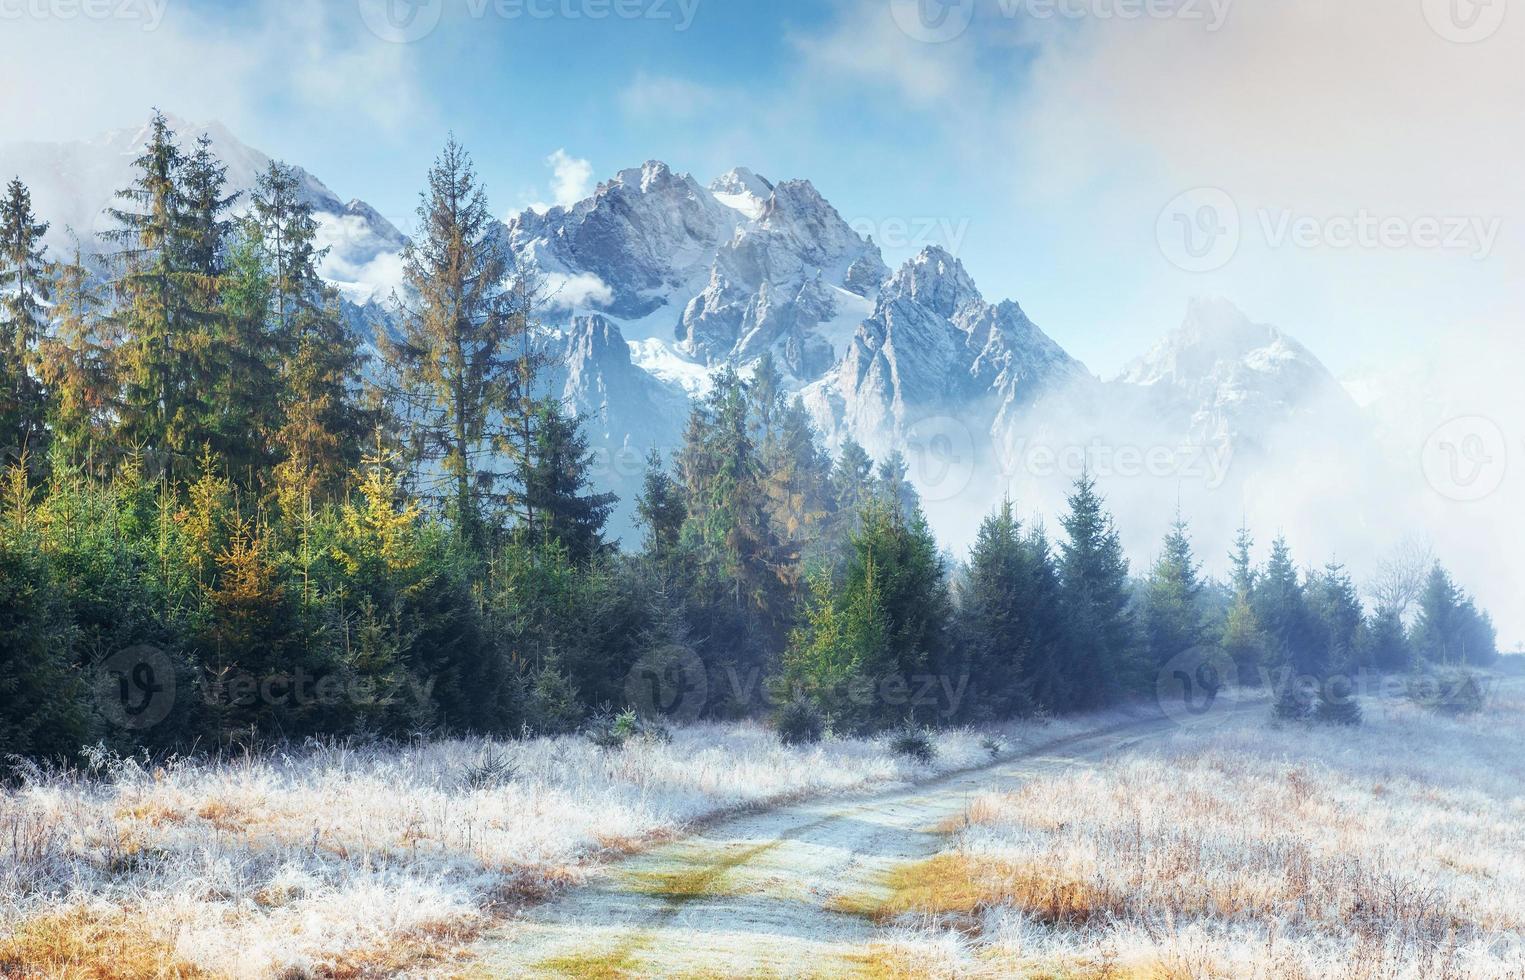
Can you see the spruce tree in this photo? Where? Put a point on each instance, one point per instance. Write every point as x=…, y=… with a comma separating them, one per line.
x=454, y=354
x=851, y=486
x=1387, y=644
x=1281, y=605
x=556, y=487
x=894, y=484
x=153, y=286
x=76, y=365
x=660, y=509
x=1046, y=668
x=322, y=428
x=1173, y=599
x=1093, y=577
x=995, y=625
x=1437, y=627
x=24, y=287
x=1337, y=605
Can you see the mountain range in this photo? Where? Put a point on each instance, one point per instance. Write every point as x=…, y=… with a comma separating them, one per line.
x=655, y=282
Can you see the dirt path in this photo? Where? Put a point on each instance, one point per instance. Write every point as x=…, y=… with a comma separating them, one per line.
x=754, y=896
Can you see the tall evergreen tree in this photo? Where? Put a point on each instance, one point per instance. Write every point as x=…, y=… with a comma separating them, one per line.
x=888, y=625
x=153, y=286
x=894, y=484
x=1093, y=577
x=322, y=427
x=1173, y=599
x=556, y=487
x=995, y=614
x=1281, y=605
x=76, y=364
x=1450, y=629
x=24, y=287
x=660, y=509
x=454, y=353
x=1386, y=643
x=1342, y=621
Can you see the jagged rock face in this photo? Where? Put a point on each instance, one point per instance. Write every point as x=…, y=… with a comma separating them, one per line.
x=935, y=347
x=619, y=403
x=1224, y=379
x=774, y=282
x=643, y=234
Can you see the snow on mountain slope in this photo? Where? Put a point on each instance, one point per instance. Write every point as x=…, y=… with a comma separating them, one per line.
x=1222, y=378
x=74, y=183
x=724, y=273
x=934, y=347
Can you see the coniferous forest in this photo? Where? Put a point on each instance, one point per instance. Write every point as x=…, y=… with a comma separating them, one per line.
x=230, y=514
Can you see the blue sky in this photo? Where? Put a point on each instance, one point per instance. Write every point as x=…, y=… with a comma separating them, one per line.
x=1040, y=147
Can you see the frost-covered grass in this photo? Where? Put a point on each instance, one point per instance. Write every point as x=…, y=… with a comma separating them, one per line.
x=345, y=860
x=1392, y=850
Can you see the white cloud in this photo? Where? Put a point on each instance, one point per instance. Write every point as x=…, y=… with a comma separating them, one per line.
x=571, y=181
x=565, y=292
x=571, y=177
x=272, y=60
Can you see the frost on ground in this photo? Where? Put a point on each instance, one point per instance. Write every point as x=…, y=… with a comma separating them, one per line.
x=1393, y=850
x=340, y=860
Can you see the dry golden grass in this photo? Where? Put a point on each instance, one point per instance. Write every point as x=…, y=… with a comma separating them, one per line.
x=87, y=945
x=957, y=888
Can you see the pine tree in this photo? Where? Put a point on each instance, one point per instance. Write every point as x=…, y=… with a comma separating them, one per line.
x=887, y=625
x=76, y=365
x=660, y=509
x=322, y=428
x=1093, y=577
x=244, y=393
x=995, y=618
x=25, y=287
x=1047, y=674
x=1281, y=605
x=894, y=484
x=1172, y=599
x=1387, y=645
x=1337, y=606
x=454, y=355
x=852, y=487
x=728, y=514
x=41, y=702
x=555, y=487
x=1436, y=629
x=153, y=288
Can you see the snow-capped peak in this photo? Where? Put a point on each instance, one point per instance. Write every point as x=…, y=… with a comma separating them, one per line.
x=744, y=191
x=935, y=280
